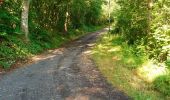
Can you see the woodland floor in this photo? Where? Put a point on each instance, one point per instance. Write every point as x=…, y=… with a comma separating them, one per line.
x=67, y=73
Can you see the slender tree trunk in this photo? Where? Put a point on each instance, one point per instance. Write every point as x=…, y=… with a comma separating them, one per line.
x=66, y=23
x=109, y=16
x=24, y=18
x=150, y=4
x=149, y=15
x=66, y=20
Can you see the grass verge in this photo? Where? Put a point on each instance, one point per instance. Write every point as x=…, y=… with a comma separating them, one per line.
x=126, y=70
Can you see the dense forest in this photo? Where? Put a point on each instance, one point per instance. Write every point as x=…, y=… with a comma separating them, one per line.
x=29, y=27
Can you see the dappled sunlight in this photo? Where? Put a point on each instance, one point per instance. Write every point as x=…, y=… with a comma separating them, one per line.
x=50, y=54
x=58, y=51
x=98, y=53
x=91, y=44
x=136, y=82
x=126, y=78
x=107, y=38
x=88, y=52
x=150, y=71
x=114, y=49
x=108, y=28
x=103, y=47
x=118, y=63
x=38, y=58
x=130, y=61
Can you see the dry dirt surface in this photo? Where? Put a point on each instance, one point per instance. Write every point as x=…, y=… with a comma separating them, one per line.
x=66, y=73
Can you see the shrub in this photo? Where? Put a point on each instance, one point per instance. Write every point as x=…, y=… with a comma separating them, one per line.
x=162, y=84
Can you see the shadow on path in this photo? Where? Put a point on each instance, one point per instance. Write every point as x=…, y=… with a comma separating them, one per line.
x=66, y=73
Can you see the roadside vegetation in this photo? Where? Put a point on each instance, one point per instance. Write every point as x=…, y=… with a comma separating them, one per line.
x=135, y=56
x=134, y=74
x=14, y=49
x=29, y=27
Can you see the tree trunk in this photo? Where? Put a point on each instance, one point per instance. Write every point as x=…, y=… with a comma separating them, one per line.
x=66, y=23
x=150, y=4
x=66, y=20
x=24, y=18
x=109, y=15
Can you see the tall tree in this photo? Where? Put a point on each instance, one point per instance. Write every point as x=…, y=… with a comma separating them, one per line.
x=24, y=18
x=67, y=14
x=150, y=4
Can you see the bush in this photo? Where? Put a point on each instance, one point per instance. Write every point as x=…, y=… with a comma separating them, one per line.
x=162, y=84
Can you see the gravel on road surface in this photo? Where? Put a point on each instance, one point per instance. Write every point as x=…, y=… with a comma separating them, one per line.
x=67, y=73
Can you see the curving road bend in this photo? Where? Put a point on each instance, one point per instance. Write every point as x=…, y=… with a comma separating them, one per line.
x=66, y=73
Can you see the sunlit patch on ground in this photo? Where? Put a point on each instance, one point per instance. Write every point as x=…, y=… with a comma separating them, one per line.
x=48, y=55
x=38, y=58
x=125, y=70
x=150, y=71
x=91, y=44
x=137, y=83
x=102, y=47
x=114, y=49
x=89, y=52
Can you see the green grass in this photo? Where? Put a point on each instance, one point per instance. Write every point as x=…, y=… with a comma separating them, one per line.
x=123, y=68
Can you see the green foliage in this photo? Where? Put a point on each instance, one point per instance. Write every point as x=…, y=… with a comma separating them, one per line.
x=94, y=12
x=10, y=16
x=162, y=84
x=51, y=15
x=48, y=20
x=132, y=20
x=118, y=62
x=159, y=39
x=11, y=50
x=131, y=57
x=145, y=28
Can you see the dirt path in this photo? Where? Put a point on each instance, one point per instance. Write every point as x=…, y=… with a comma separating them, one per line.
x=67, y=73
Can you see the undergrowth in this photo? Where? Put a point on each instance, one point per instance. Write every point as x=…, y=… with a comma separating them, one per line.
x=130, y=70
x=13, y=47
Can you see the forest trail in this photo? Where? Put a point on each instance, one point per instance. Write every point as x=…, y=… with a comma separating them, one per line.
x=66, y=73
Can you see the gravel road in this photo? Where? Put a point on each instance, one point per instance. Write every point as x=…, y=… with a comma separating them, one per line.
x=67, y=73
